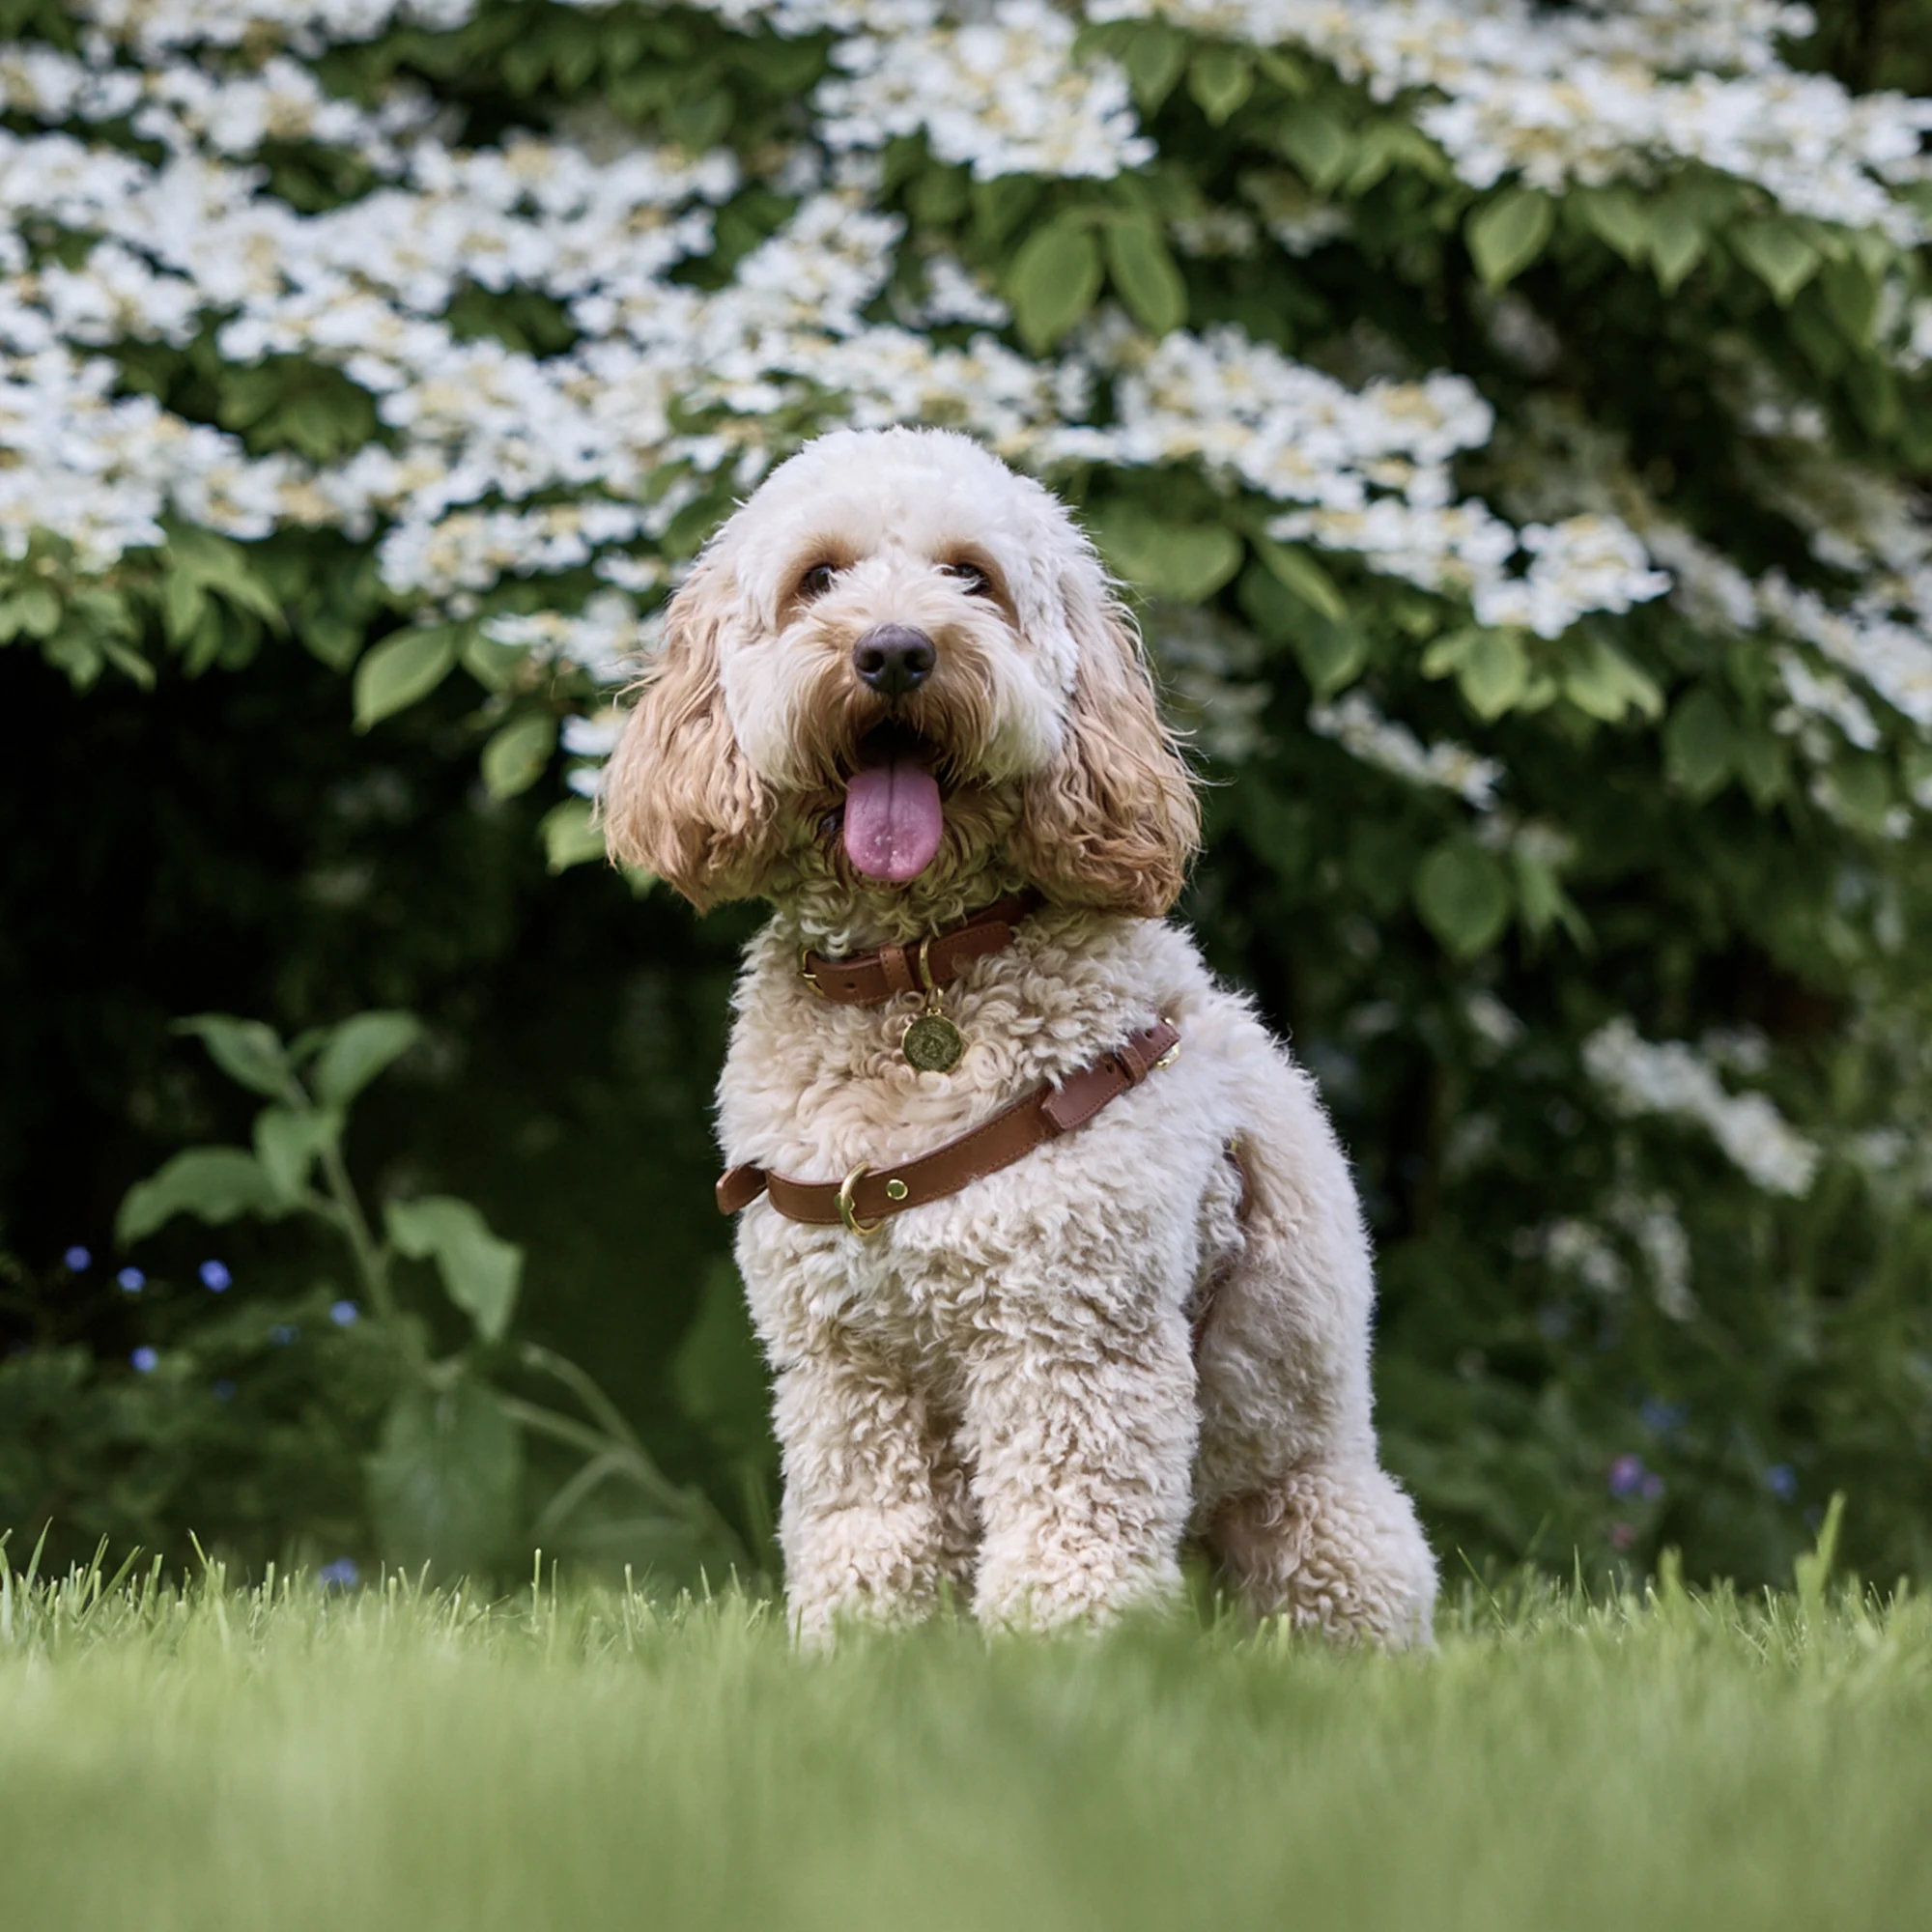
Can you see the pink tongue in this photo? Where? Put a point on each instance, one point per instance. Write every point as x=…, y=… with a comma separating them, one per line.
x=893, y=820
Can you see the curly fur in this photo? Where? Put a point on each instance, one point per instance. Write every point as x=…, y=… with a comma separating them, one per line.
x=1028, y=1394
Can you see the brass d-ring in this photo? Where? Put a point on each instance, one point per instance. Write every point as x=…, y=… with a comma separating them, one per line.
x=853, y=1224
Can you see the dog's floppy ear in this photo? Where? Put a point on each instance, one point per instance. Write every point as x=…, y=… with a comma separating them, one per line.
x=1113, y=821
x=679, y=799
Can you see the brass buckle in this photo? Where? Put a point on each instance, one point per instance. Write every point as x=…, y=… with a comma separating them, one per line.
x=806, y=973
x=853, y=1224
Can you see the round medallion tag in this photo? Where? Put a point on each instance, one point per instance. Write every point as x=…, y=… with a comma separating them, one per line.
x=932, y=1044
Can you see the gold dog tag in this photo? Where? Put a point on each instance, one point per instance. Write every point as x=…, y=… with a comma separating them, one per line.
x=931, y=1043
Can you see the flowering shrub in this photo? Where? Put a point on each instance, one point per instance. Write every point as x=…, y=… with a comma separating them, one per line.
x=1509, y=418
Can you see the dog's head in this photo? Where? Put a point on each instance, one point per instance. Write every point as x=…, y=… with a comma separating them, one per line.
x=902, y=661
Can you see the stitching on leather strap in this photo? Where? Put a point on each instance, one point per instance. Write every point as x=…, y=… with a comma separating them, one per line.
x=995, y=1144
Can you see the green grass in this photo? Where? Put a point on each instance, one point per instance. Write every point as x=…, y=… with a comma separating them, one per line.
x=212, y=1757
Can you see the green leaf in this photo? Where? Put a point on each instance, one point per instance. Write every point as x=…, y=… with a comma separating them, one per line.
x=1296, y=570
x=213, y=1184
x=1617, y=217
x=570, y=834
x=1220, y=79
x=287, y=1141
x=1543, y=902
x=1778, y=253
x=249, y=1052
x=357, y=1050
x=1144, y=272
x=399, y=670
x=445, y=1480
x=1286, y=72
x=1700, y=745
x=1332, y=655
x=1463, y=894
x=33, y=612
x=480, y=1270
x=514, y=756
x=1852, y=296
x=1494, y=672
x=1677, y=239
x=223, y=566
x=1183, y=562
x=1054, y=279
x=1604, y=683
x=1153, y=59
x=1507, y=233
x=1317, y=143
x=718, y=1372
x=491, y=664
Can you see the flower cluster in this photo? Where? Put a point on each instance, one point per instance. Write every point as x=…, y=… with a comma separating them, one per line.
x=1671, y=1078
x=1359, y=727
x=1001, y=94
x=1594, y=92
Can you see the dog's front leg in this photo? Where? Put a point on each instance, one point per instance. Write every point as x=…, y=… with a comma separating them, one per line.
x=1081, y=1424
x=876, y=1516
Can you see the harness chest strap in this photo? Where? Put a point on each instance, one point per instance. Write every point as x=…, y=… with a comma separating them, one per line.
x=863, y=1198
x=867, y=978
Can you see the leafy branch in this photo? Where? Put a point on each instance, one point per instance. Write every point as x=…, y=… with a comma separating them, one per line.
x=445, y=1481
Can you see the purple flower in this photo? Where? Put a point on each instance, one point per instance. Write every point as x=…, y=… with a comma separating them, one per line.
x=345, y=1314
x=223, y=1389
x=147, y=1360
x=283, y=1333
x=1627, y=1475
x=78, y=1260
x=1781, y=1480
x=343, y=1574
x=1653, y=1487
x=214, y=1277
x=132, y=1280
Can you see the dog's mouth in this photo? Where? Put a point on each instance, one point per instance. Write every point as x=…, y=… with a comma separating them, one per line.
x=894, y=819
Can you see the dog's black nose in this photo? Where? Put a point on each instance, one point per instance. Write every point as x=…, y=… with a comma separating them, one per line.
x=894, y=660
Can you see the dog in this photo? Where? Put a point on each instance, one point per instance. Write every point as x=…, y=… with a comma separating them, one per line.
x=1050, y=1247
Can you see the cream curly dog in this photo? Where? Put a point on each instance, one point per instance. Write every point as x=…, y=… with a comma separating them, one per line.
x=895, y=688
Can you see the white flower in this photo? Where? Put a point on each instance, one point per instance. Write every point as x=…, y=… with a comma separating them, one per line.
x=1670, y=1077
x=1363, y=732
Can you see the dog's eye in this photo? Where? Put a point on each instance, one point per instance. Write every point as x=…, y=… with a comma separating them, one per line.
x=969, y=577
x=817, y=581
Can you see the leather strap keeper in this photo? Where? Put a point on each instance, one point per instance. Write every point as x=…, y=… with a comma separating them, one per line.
x=864, y=1198
x=866, y=978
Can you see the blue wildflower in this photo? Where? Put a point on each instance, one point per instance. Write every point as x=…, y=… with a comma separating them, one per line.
x=1627, y=1475
x=132, y=1280
x=345, y=1314
x=78, y=1260
x=1653, y=1487
x=223, y=1389
x=1660, y=1417
x=1781, y=1480
x=214, y=1277
x=146, y=1359
x=283, y=1333
x=343, y=1574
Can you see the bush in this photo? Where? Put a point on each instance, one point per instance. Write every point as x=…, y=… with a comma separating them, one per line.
x=1509, y=419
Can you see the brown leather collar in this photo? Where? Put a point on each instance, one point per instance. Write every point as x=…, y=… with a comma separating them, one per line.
x=863, y=1198
x=865, y=978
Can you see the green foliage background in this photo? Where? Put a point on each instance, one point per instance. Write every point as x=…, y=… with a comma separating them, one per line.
x=237, y=781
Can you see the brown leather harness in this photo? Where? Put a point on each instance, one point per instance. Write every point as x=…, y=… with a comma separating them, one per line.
x=863, y=1201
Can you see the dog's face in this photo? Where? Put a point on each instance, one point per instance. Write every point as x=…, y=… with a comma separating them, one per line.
x=901, y=662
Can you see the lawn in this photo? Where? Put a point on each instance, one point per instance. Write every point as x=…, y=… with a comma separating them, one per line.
x=216, y=1756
